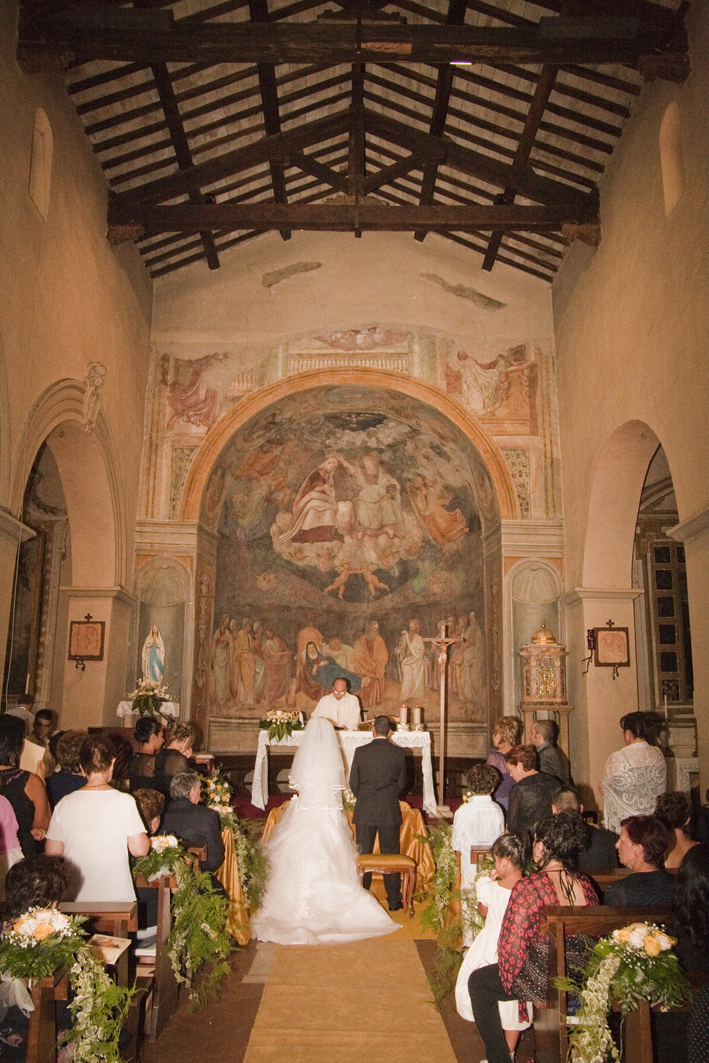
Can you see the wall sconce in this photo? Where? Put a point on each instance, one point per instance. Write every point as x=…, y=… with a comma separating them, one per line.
x=609, y=648
x=80, y=663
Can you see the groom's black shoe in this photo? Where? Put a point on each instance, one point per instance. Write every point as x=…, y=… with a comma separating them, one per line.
x=396, y=907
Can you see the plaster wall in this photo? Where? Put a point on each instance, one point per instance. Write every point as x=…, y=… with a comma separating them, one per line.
x=68, y=299
x=631, y=336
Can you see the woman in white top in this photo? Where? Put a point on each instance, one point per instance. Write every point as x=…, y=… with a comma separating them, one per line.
x=95, y=828
x=476, y=825
x=313, y=893
x=634, y=777
x=511, y=853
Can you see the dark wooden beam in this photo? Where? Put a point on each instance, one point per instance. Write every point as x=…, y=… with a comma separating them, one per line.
x=258, y=9
x=339, y=217
x=123, y=34
x=387, y=174
x=483, y=167
x=324, y=174
x=356, y=160
x=444, y=84
x=261, y=151
x=166, y=94
x=524, y=149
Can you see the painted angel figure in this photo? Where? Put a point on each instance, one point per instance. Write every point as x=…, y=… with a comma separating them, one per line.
x=153, y=656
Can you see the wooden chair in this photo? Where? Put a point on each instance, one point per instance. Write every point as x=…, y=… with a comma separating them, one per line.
x=550, y=1027
x=391, y=864
x=107, y=917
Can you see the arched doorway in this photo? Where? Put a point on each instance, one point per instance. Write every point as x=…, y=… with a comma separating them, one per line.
x=335, y=515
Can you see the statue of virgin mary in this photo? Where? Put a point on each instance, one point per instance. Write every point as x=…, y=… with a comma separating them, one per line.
x=153, y=656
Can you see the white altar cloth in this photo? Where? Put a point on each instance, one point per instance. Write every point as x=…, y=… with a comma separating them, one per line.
x=169, y=708
x=349, y=741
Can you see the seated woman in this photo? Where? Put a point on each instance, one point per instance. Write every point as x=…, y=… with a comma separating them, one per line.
x=23, y=789
x=521, y=972
x=149, y=735
x=674, y=810
x=10, y=851
x=642, y=846
x=70, y=776
x=174, y=757
x=96, y=827
x=511, y=852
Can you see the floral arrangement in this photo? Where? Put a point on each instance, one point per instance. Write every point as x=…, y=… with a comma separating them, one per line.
x=281, y=723
x=199, y=915
x=43, y=939
x=632, y=964
x=348, y=800
x=251, y=862
x=148, y=697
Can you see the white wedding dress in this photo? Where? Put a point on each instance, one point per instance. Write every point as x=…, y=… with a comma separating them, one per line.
x=313, y=895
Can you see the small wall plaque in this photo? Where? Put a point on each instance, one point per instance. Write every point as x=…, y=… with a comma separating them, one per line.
x=611, y=650
x=86, y=640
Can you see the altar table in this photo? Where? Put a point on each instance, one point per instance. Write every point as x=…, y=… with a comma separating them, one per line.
x=349, y=741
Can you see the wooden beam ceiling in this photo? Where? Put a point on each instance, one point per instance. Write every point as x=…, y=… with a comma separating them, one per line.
x=95, y=31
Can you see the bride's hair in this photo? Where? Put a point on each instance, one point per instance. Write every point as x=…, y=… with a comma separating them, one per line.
x=318, y=771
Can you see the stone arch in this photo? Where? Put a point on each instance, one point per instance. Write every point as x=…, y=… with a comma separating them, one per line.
x=521, y=623
x=40, y=178
x=428, y=394
x=671, y=157
x=88, y=467
x=613, y=507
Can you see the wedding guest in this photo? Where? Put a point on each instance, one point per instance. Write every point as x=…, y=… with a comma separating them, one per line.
x=690, y=909
x=10, y=851
x=24, y=710
x=194, y=824
x=35, y=882
x=600, y=852
x=148, y=734
x=504, y=737
x=24, y=790
x=511, y=852
x=674, y=810
x=635, y=776
x=96, y=827
x=543, y=735
x=476, y=824
x=174, y=757
x=641, y=847
x=521, y=971
x=70, y=776
x=42, y=727
x=151, y=805
x=530, y=797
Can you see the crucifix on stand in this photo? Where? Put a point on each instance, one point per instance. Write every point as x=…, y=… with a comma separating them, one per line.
x=443, y=643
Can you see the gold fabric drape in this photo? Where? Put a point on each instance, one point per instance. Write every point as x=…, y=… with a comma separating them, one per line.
x=412, y=828
x=237, y=923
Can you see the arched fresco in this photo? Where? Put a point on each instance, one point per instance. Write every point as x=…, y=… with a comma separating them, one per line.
x=349, y=523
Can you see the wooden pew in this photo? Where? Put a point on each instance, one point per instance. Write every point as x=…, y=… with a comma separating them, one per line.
x=161, y=984
x=42, y=1032
x=558, y=923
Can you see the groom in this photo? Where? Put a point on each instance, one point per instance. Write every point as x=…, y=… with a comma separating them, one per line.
x=377, y=777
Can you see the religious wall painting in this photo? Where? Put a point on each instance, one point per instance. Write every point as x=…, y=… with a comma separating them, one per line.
x=341, y=534
x=193, y=399
x=500, y=389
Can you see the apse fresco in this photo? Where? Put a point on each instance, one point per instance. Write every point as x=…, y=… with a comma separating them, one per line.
x=344, y=538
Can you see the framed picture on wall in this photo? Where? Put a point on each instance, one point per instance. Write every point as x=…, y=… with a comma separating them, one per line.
x=611, y=647
x=86, y=640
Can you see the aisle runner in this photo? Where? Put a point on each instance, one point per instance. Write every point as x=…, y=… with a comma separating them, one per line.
x=348, y=1003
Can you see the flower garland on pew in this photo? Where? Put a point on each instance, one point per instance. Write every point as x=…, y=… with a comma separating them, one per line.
x=42, y=939
x=251, y=862
x=198, y=912
x=632, y=964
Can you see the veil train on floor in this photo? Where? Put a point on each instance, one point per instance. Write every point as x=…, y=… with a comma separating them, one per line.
x=313, y=895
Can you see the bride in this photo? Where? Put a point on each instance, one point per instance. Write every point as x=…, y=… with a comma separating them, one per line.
x=313, y=895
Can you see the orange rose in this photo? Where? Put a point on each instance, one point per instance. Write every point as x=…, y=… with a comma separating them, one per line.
x=652, y=946
x=42, y=931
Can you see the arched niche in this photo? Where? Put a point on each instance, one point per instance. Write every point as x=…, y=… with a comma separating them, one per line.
x=533, y=589
x=671, y=157
x=162, y=587
x=613, y=506
x=270, y=560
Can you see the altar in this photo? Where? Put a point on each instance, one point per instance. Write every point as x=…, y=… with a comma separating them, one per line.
x=349, y=741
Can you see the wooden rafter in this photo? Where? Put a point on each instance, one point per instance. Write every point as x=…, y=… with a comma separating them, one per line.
x=258, y=9
x=150, y=36
x=335, y=217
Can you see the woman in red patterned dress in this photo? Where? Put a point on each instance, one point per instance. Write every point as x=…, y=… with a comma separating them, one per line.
x=521, y=972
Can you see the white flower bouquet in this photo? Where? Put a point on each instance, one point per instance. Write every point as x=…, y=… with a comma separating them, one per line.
x=281, y=723
x=148, y=697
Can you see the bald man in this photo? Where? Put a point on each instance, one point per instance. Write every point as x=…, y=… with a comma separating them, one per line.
x=341, y=708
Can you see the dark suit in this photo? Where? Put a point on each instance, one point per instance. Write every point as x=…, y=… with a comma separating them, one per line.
x=377, y=777
x=196, y=825
x=530, y=801
x=553, y=762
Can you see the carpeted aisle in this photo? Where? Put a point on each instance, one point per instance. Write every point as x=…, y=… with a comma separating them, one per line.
x=345, y=1003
